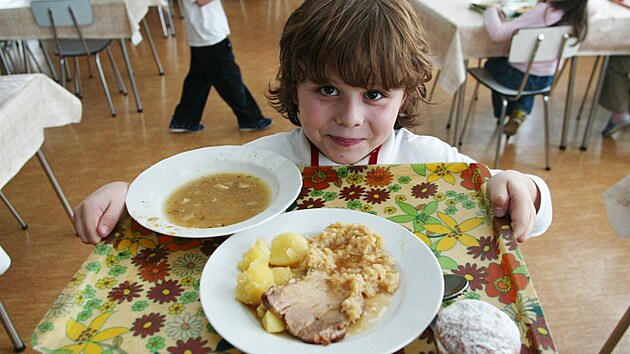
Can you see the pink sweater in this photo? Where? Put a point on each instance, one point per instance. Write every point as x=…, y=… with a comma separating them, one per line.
x=541, y=15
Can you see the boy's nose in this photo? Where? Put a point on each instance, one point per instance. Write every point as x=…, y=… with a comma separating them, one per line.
x=350, y=113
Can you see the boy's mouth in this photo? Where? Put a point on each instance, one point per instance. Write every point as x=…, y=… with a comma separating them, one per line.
x=345, y=142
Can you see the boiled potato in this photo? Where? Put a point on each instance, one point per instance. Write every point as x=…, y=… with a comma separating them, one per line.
x=272, y=323
x=281, y=275
x=260, y=311
x=253, y=282
x=288, y=249
x=260, y=250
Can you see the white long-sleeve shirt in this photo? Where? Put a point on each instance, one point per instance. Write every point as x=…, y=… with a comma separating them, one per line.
x=402, y=146
x=205, y=25
x=541, y=15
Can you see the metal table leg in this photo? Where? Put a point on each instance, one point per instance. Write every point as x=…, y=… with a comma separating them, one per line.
x=598, y=92
x=568, y=104
x=152, y=45
x=132, y=79
x=460, y=107
x=55, y=184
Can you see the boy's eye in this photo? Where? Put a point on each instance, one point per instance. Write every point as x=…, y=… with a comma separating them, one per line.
x=328, y=90
x=373, y=95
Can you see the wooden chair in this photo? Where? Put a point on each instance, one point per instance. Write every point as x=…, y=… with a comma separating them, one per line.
x=18, y=345
x=528, y=46
x=75, y=13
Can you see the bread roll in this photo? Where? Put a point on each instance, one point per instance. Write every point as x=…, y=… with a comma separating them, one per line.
x=475, y=327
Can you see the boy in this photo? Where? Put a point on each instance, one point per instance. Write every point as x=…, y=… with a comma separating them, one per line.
x=351, y=73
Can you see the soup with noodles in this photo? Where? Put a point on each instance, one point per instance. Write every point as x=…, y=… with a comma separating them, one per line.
x=218, y=200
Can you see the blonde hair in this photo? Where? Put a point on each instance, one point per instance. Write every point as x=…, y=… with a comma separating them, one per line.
x=363, y=42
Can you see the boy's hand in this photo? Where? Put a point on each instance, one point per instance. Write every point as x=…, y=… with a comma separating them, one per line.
x=95, y=217
x=514, y=193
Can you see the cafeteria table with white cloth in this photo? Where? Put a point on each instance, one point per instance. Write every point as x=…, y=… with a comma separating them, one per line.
x=457, y=34
x=29, y=103
x=113, y=19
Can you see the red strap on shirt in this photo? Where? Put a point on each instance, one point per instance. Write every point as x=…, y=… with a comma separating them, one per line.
x=315, y=155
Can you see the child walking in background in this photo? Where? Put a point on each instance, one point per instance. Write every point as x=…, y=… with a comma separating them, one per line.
x=212, y=65
x=352, y=77
x=544, y=14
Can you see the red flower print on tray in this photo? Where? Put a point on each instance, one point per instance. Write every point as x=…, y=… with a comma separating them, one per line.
x=320, y=177
x=190, y=346
x=488, y=249
x=148, y=325
x=125, y=291
x=311, y=203
x=539, y=335
x=166, y=291
x=150, y=255
x=379, y=177
x=424, y=190
x=175, y=244
x=352, y=192
x=476, y=276
x=503, y=282
x=154, y=272
x=475, y=176
x=376, y=196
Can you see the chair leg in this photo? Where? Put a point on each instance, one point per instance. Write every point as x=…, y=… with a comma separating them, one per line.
x=169, y=18
x=32, y=56
x=99, y=67
x=49, y=63
x=13, y=211
x=437, y=76
x=132, y=80
x=53, y=180
x=162, y=21
x=470, y=110
x=152, y=45
x=18, y=345
x=504, y=104
x=568, y=103
x=77, y=78
x=64, y=72
x=547, y=133
x=452, y=110
x=119, y=81
x=588, y=87
x=5, y=62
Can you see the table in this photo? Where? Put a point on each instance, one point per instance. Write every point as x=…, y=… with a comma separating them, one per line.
x=112, y=19
x=457, y=34
x=138, y=292
x=29, y=103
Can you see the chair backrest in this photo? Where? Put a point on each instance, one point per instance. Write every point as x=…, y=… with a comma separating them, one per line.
x=530, y=45
x=542, y=44
x=61, y=12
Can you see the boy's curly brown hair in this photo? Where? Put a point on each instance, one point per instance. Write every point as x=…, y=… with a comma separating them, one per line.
x=363, y=42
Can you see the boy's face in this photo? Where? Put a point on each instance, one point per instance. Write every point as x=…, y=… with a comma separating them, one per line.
x=346, y=123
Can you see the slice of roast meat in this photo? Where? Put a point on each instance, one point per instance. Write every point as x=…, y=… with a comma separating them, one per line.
x=311, y=309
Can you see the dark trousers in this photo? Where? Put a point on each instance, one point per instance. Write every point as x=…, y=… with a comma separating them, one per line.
x=511, y=77
x=215, y=66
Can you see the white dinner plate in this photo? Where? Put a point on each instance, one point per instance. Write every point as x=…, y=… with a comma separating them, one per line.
x=413, y=306
x=148, y=192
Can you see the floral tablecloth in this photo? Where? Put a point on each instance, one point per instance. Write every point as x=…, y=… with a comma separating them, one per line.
x=138, y=292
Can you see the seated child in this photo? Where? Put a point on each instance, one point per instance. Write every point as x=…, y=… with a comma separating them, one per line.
x=545, y=13
x=352, y=77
